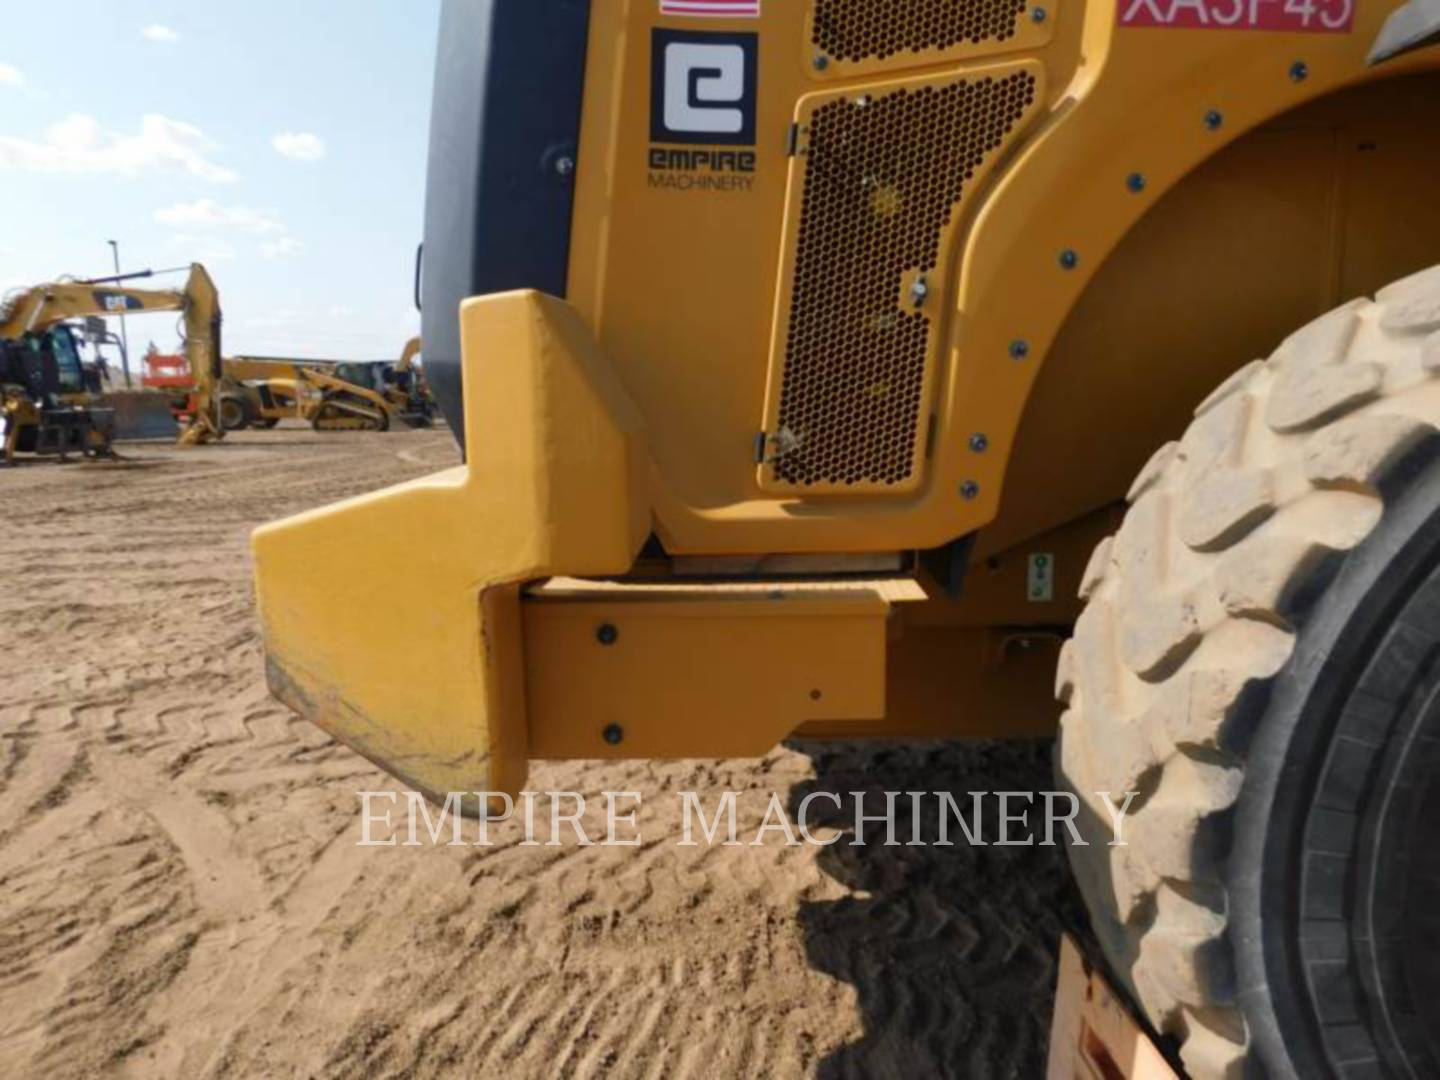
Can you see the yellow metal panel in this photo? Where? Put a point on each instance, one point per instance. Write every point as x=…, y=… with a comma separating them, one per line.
x=681, y=286
x=392, y=620
x=947, y=682
x=1329, y=203
x=700, y=673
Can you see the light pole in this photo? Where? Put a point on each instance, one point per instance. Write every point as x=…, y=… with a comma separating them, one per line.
x=124, y=337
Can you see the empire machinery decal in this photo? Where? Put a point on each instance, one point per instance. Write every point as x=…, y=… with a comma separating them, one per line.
x=703, y=98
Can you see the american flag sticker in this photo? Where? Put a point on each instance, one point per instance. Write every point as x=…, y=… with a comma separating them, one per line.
x=712, y=9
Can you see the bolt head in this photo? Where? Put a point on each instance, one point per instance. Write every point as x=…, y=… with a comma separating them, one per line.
x=1069, y=259
x=614, y=734
x=1299, y=71
x=565, y=165
x=1019, y=350
x=969, y=490
x=979, y=442
x=919, y=292
x=607, y=634
x=1136, y=182
x=1038, y=15
x=821, y=62
x=1214, y=120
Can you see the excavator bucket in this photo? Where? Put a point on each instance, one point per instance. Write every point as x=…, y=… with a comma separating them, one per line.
x=141, y=415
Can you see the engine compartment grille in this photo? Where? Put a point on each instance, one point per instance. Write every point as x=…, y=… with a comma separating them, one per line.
x=884, y=176
x=857, y=30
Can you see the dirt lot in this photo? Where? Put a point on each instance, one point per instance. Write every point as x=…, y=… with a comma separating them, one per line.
x=182, y=894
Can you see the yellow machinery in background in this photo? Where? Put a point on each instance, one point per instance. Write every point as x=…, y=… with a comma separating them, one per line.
x=802, y=354
x=329, y=395
x=47, y=406
x=261, y=391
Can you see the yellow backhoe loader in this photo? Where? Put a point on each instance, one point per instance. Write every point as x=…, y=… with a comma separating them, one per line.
x=46, y=406
x=805, y=353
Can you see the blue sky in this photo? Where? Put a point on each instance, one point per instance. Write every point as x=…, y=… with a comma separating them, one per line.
x=280, y=143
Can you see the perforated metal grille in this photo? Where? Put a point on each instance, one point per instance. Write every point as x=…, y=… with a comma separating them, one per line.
x=883, y=178
x=857, y=30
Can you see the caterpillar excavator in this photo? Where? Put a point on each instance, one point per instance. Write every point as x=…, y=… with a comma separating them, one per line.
x=46, y=404
x=867, y=368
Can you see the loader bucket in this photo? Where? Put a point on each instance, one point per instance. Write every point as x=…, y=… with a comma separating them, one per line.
x=141, y=414
x=393, y=620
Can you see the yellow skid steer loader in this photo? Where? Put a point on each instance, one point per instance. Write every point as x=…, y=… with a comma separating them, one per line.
x=806, y=355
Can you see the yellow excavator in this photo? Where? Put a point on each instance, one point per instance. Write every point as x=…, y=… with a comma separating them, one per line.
x=46, y=402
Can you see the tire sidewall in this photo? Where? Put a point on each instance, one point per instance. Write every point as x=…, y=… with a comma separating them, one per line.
x=1288, y=749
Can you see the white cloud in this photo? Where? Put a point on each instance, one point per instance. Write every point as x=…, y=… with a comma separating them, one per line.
x=299, y=145
x=208, y=214
x=163, y=35
x=205, y=249
x=206, y=221
x=78, y=144
x=281, y=248
x=11, y=76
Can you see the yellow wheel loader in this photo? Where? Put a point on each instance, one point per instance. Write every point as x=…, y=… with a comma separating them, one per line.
x=45, y=402
x=805, y=353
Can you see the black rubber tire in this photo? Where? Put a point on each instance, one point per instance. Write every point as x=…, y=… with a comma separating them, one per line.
x=234, y=413
x=1268, y=563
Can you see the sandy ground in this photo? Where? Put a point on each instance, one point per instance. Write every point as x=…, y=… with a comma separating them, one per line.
x=182, y=894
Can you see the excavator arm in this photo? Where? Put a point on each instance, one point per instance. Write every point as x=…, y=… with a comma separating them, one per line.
x=409, y=355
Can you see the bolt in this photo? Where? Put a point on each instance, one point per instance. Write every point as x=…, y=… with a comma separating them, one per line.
x=614, y=734
x=969, y=490
x=1299, y=71
x=1019, y=350
x=1136, y=182
x=919, y=292
x=821, y=62
x=607, y=634
x=1214, y=120
x=565, y=165
x=979, y=443
x=1038, y=15
x=1069, y=259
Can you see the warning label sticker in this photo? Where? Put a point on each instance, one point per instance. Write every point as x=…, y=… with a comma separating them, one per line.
x=1314, y=16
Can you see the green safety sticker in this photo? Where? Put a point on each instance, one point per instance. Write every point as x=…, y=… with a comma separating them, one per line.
x=1041, y=579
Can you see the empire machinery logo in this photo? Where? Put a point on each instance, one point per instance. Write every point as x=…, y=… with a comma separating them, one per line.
x=888, y=819
x=703, y=100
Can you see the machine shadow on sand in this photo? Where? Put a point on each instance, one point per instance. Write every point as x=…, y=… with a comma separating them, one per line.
x=951, y=950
